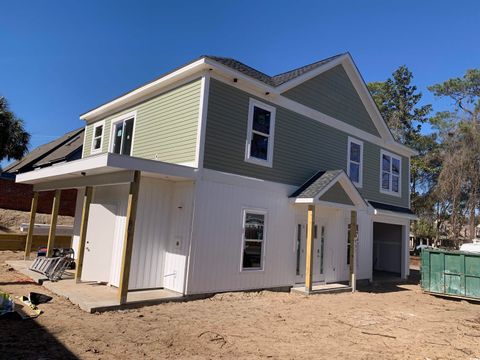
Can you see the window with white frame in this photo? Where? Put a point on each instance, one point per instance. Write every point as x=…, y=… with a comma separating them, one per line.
x=390, y=177
x=254, y=222
x=261, y=125
x=97, y=137
x=122, y=136
x=355, y=161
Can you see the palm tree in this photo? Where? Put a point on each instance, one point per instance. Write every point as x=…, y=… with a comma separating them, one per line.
x=13, y=137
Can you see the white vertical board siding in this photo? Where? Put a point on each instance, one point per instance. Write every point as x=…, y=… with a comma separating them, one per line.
x=77, y=221
x=151, y=233
x=215, y=264
x=365, y=246
x=179, y=237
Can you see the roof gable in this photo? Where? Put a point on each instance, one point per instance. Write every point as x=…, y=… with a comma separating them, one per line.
x=333, y=94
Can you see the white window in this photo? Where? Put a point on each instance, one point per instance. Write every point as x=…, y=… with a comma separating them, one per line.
x=97, y=137
x=390, y=173
x=254, y=234
x=122, y=134
x=355, y=161
x=261, y=125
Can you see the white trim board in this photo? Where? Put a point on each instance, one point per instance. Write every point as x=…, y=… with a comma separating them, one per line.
x=202, y=120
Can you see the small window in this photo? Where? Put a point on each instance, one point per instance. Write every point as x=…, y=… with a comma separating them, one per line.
x=355, y=161
x=253, y=240
x=123, y=136
x=261, y=125
x=390, y=173
x=97, y=137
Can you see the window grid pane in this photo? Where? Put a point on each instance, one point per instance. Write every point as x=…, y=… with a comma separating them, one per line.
x=254, y=236
x=259, y=146
x=261, y=120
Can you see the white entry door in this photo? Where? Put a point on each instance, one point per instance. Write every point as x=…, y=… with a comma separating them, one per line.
x=99, y=243
x=318, y=271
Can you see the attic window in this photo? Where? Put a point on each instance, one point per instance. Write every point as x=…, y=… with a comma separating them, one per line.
x=261, y=126
x=97, y=137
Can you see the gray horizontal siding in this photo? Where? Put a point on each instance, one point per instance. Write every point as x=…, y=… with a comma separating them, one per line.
x=165, y=128
x=332, y=93
x=336, y=194
x=302, y=146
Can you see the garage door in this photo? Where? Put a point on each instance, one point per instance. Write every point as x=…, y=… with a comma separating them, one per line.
x=387, y=247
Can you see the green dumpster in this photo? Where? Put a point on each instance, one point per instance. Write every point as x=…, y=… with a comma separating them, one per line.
x=451, y=273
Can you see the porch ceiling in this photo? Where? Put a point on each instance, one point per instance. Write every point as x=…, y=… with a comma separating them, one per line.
x=101, y=170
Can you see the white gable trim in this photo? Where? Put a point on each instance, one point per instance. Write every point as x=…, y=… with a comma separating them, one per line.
x=346, y=185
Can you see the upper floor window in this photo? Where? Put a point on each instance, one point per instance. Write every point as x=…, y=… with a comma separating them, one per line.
x=253, y=239
x=97, y=137
x=390, y=174
x=122, y=136
x=355, y=161
x=261, y=125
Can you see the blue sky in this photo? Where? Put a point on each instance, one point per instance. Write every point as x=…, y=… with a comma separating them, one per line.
x=58, y=59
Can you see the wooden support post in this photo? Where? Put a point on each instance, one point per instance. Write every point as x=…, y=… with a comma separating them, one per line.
x=31, y=225
x=309, y=248
x=351, y=239
x=87, y=199
x=53, y=222
x=128, y=238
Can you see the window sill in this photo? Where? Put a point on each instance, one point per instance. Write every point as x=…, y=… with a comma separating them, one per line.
x=255, y=161
x=391, y=193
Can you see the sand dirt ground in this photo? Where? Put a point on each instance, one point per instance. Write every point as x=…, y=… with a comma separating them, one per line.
x=10, y=220
x=381, y=322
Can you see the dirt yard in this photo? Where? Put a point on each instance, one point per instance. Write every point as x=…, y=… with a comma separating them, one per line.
x=10, y=220
x=383, y=322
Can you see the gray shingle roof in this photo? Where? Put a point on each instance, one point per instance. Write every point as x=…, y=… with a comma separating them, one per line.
x=388, y=207
x=53, y=151
x=275, y=80
x=316, y=184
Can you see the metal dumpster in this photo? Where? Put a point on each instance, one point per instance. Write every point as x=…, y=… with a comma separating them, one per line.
x=451, y=273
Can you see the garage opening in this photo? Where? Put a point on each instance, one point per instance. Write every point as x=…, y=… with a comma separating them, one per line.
x=387, y=250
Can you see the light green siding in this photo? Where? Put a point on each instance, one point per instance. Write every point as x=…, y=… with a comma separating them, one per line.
x=333, y=94
x=302, y=146
x=165, y=126
x=336, y=194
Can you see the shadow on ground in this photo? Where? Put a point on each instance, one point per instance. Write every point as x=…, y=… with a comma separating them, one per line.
x=385, y=284
x=26, y=339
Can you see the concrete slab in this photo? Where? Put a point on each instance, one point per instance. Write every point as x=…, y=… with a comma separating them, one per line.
x=94, y=297
x=322, y=289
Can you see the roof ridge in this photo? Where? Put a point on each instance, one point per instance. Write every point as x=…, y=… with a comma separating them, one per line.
x=311, y=64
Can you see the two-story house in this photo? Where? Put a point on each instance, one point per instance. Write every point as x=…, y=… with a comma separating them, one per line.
x=213, y=176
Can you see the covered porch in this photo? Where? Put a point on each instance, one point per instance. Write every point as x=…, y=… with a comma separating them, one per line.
x=327, y=207
x=131, y=230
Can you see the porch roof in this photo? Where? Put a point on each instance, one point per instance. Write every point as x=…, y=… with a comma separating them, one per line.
x=320, y=183
x=102, y=169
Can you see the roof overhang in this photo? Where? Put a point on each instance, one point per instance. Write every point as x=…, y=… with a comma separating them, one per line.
x=102, y=170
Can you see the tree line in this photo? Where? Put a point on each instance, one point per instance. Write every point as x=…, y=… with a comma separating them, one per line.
x=445, y=175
